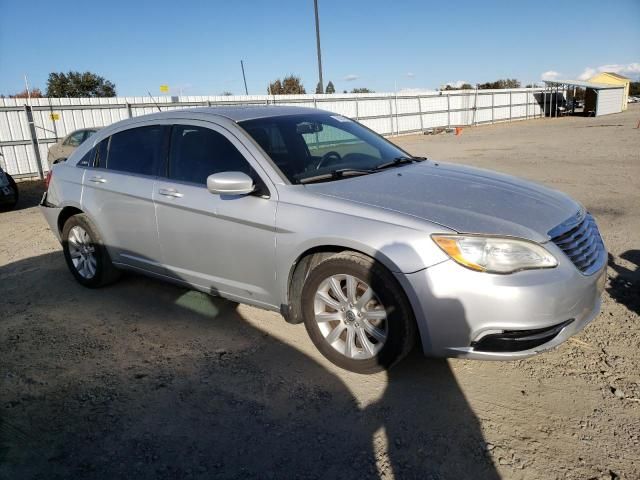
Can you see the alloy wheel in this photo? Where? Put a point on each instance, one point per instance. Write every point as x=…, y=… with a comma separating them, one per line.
x=350, y=316
x=82, y=252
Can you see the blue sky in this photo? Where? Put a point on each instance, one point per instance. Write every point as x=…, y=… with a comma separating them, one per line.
x=197, y=46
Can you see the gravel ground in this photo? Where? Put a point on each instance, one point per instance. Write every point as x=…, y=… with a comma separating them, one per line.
x=146, y=380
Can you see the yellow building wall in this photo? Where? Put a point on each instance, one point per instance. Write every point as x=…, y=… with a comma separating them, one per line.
x=607, y=79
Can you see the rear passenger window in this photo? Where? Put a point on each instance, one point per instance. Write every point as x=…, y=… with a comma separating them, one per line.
x=197, y=152
x=138, y=150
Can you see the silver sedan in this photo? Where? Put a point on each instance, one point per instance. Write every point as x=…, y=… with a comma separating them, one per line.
x=313, y=215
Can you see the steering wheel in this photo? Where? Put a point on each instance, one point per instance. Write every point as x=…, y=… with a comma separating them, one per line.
x=335, y=156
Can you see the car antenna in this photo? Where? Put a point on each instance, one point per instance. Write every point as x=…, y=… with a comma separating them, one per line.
x=154, y=101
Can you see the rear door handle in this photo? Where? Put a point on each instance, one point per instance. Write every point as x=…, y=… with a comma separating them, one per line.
x=98, y=179
x=170, y=192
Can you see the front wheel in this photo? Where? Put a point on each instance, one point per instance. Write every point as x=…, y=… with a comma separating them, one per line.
x=356, y=313
x=86, y=254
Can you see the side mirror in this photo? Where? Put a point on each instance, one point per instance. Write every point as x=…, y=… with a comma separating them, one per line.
x=230, y=183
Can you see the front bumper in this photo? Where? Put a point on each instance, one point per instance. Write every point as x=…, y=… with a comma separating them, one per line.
x=456, y=307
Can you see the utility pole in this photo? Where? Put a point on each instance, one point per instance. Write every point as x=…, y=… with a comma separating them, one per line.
x=246, y=92
x=315, y=6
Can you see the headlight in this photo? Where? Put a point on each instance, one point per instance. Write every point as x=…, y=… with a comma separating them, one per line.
x=495, y=254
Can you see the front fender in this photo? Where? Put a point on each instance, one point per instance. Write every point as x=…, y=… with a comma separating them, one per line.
x=301, y=229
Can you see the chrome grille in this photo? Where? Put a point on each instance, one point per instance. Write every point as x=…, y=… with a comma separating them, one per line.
x=583, y=245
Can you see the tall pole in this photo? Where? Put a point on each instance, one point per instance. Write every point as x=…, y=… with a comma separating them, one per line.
x=315, y=6
x=246, y=92
x=26, y=84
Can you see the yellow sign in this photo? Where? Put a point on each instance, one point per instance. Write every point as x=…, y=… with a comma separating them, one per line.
x=55, y=116
x=164, y=88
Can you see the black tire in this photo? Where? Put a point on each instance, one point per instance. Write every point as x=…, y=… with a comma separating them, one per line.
x=14, y=186
x=105, y=272
x=401, y=325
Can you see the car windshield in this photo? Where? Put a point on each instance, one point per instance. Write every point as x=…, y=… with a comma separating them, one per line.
x=322, y=147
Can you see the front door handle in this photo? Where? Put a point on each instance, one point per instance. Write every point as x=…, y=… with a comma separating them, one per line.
x=170, y=192
x=98, y=179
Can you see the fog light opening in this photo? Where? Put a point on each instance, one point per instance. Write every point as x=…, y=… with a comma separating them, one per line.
x=518, y=340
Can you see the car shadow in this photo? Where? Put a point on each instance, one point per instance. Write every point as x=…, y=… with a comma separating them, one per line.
x=624, y=288
x=144, y=379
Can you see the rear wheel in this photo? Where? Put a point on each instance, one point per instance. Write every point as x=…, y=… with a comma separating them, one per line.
x=357, y=314
x=85, y=254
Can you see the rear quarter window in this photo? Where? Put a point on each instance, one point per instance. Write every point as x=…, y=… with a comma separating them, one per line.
x=87, y=159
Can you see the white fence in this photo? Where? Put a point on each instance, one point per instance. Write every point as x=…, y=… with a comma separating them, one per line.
x=28, y=128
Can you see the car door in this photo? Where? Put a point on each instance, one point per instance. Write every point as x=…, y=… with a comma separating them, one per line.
x=225, y=244
x=118, y=190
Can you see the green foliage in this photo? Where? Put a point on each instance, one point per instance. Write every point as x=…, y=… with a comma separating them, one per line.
x=330, y=88
x=634, y=89
x=464, y=86
x=318, y=88
x=76, y=84
x=500, y=84
x=290, y=85
x=226, y=94
x=361, y=90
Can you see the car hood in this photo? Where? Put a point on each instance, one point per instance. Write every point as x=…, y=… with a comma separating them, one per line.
x=464, y=199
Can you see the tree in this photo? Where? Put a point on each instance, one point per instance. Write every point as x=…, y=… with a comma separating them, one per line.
x=76, y=84
x=226, y=94
x=361, y=90
x=330, y=88
x=275, y=87
x=290, y=85
x=634, y=89
x=500, y=84
x=464, y=86
x=318, y=88
x=34, y=93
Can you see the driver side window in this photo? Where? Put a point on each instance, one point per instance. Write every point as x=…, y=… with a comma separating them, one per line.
x=197, y=152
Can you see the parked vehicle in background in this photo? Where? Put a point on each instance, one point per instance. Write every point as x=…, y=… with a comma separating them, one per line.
x=314, y=215
x=62, y=149
x=8, y=191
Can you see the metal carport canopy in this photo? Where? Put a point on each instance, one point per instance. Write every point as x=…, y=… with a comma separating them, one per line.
x=609, y=97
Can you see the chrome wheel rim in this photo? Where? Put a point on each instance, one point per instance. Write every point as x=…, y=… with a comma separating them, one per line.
x=350, y=316
x=82, y=252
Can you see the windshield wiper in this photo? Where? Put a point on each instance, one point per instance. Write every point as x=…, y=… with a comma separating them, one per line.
x=399, y=161
x=335, y=174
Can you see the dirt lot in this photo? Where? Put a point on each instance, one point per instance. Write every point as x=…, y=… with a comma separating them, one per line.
x=147, y=380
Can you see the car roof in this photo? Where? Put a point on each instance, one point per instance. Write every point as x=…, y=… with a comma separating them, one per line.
x=238, y=113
